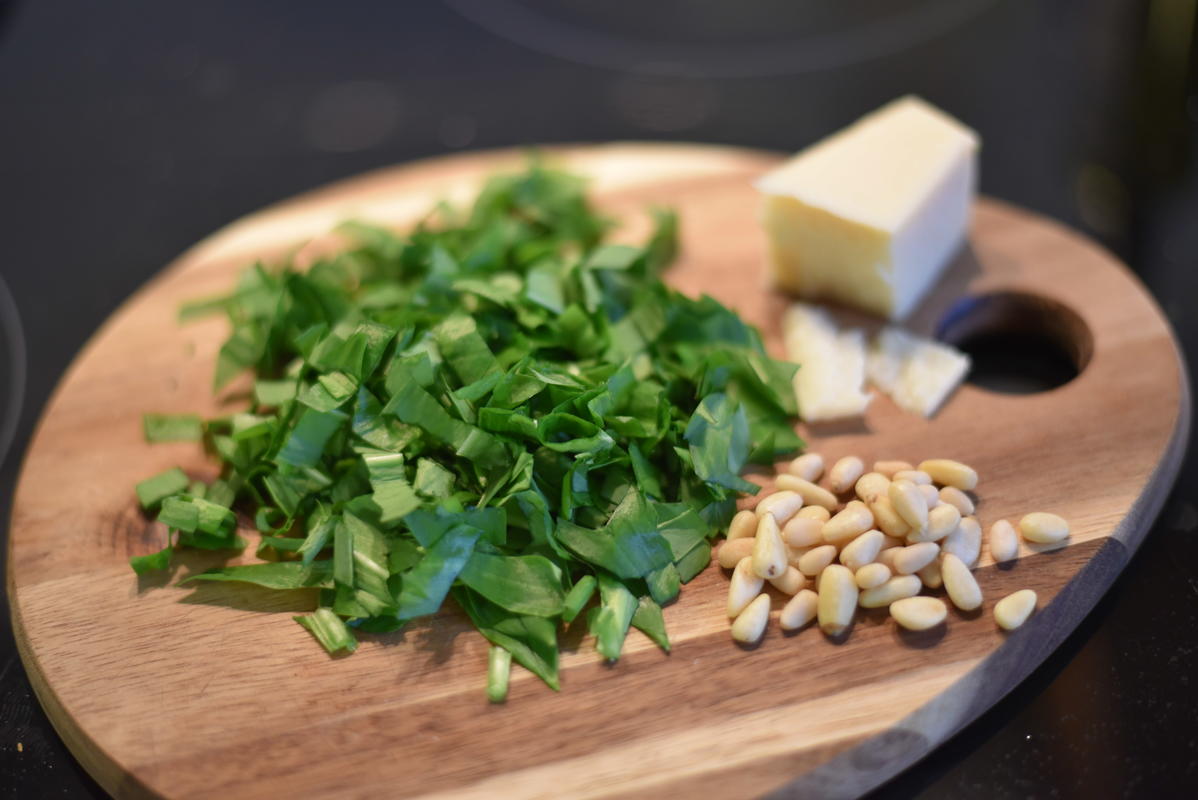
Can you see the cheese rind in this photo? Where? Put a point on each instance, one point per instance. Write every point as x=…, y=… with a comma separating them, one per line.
x=831, y=377
x=870, y=216
x=919, y=374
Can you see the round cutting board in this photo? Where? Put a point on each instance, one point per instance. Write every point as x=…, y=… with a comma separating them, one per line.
x=213, y=691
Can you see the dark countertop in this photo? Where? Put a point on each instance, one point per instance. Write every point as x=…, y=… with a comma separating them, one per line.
x=132, y=128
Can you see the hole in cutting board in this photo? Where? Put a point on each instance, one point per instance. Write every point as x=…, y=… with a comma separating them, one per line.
x=1019, y=343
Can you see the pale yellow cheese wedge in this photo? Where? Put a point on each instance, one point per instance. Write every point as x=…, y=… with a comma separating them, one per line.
x=870, y=216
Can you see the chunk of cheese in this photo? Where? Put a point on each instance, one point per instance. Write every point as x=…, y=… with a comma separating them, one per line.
x=870, y=216
x=918, y=374
x=831, y=377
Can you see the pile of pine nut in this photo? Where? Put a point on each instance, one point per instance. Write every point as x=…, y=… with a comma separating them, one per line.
x=907, y=529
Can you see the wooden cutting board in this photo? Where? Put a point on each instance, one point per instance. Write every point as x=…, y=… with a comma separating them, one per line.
x=213, y=691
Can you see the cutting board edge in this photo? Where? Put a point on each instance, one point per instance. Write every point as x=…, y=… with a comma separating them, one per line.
x=101, y=765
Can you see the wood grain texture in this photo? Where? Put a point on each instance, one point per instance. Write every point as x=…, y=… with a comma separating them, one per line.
x=212, y=691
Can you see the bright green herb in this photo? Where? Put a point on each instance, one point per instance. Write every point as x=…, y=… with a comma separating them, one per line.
x=273, y=575
x=154, y=490
x=497, y=406
x=580, y=594
x=172, y=427
x=143, y=565
x=329, y=630
x=609, y=620
x=499, y=668
x=648, y=619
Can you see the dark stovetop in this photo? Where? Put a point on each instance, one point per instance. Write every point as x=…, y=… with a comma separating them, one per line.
x=133, y=128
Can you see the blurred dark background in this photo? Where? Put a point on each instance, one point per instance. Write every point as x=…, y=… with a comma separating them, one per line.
x=129, y=129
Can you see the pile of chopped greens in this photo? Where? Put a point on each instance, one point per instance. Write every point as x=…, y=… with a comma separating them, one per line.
x=497, y=407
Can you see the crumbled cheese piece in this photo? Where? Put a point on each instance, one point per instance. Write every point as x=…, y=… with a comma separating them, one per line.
x=919, y=374
x=831, y=377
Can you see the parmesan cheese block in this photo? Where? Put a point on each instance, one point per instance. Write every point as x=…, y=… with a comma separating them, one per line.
x=831, y=377
x=918, y=374
x=870, y=216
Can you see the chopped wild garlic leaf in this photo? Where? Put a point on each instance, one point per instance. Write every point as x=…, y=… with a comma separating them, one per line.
x=153, y=491
x=499, y=668
x=172, y=427
x=496, y=405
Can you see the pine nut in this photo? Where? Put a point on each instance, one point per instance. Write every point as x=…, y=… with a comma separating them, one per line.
x=896, y=588
x=1014, y=609
x=743, y=525
x=750, y=623
x=916, y=476
x=887, y=557
x=960, y=584
x=918, y=613
x=909, y=504
x=1044, y=528
x=915, y=557
x=958, y=499
x=799, y=611
x=837, y=599
x=942, y=520
x=769, y=552
x=730, y=553
x=815, y=512
x=903, y=528
x=872, y=575
x=1004, y=542
x=814, y=561
x=947, y=472
x=844, y=473
x=782, y=505
x=871, y=486
x=889, y=468
x=887, y=519
x=795, y=555
x=931, y=576
x=803, y=532
x=862, y=550
x=744, y=586
x=848, y=525
x=812, y=495
x=789, y=581
x=965, y=542
x=809, y=466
